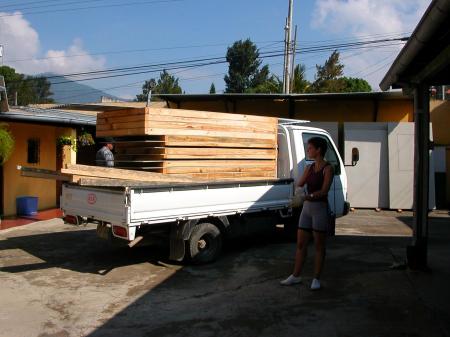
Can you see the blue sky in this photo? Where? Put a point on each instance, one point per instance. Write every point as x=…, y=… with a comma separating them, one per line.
x=203, y=28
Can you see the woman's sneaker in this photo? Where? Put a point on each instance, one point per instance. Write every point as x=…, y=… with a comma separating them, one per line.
x=315, y=284
x=291, y=280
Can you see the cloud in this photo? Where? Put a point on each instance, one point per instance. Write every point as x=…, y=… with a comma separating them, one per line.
x=23, y=50
x=368, y=19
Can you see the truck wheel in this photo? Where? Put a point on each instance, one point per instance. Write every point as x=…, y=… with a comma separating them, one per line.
x=205, y=243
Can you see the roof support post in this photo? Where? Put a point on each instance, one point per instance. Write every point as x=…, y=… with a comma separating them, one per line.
x=417, y=252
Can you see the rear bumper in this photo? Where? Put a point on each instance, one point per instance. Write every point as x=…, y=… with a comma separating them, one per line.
x=346, y=208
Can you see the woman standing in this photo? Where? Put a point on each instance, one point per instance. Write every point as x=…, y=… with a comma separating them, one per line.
x=314, y=217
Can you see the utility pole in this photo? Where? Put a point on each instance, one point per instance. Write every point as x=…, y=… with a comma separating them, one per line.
x=294, y=49
x=288, y=48
x=1, y=53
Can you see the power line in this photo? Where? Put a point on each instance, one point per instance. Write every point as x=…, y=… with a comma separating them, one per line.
x=266, y=54
x=124, y=51
x=152, y=68
x=51, y=5
x=93, y=7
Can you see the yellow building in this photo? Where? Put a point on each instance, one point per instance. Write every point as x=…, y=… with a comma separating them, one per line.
x=35, y=132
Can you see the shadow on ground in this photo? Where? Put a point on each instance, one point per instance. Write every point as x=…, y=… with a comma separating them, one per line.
x=240, y=295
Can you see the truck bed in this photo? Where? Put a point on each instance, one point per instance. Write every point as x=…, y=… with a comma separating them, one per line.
x=150, y=204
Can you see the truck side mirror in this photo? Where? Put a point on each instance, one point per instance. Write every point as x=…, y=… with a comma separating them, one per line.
x=355, y=156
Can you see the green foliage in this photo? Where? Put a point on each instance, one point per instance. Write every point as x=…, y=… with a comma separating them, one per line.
x=85, y=139
x=243, y=61
x=212, y=89
x=29, y=89
x=166, y=84
x=6, y=143
x=328, y=76
x=356, y=85
x=265, y=83
x=62, y=141
x=244, y=74
x=300, y=83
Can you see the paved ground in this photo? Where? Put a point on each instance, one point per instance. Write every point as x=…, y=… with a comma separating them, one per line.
x=59, y=280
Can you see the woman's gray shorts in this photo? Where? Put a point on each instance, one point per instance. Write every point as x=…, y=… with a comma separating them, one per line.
x=314, y=216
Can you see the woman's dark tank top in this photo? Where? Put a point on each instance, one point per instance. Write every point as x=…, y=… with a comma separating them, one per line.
x=314, y=181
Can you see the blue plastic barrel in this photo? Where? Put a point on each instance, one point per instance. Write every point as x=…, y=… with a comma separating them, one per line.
x=27, y=205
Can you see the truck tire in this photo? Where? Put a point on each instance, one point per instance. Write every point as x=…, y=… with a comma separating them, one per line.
x=204, y=244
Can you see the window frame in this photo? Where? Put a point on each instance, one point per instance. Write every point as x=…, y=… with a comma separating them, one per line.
x=336, y=166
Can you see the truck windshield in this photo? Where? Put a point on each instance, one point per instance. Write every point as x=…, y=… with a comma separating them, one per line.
x=330, y=156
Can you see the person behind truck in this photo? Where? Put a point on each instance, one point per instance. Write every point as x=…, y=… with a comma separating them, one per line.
x=104, y=156
x=314, y=218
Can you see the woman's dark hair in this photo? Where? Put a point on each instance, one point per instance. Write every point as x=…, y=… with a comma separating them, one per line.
x=319, y=143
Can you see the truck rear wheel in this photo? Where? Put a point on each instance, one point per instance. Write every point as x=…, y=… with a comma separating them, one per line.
x=204, y=244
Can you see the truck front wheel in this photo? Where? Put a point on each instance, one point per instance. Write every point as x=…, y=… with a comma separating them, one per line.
x=204, y=244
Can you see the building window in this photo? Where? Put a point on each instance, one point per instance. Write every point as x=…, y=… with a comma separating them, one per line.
x=33, y=151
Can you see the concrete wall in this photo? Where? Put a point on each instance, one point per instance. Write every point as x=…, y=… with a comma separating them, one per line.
x=14, y=184
x=440, y=118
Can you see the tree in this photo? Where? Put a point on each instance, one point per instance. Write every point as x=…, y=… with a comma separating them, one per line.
x=29, y=89
x=356, y=85
x=212, y=89
x=300, y=83
x=243, y=61
x=265, y=83
x=166, y=84
x=328, y=76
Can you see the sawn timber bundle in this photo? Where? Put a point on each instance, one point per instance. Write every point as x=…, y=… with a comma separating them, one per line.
x=209, y=145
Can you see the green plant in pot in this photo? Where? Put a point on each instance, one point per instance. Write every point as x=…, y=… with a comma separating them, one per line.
x=85, y=139
x=6, y=143
x=62, y=141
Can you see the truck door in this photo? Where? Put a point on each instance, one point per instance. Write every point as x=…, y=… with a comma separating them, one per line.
x=336, y=196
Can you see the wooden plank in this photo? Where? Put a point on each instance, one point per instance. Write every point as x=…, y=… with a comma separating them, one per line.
x=114, y=173
x=122, y=112
x=193, y=153
x=201, y=167
x=218, y=142
x=122, y=126
x=231, y=175
x=219, y=163
x=121, y=133
x=104, y=182
x=209, y=115
x=264, y=126
x=218, y=153
x=188, y=132
x=217, y=126
x=42, y=173
x=120, y=119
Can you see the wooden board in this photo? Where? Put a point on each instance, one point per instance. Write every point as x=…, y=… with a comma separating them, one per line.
x=218, y=142
x=163, y=153
x=114, y=173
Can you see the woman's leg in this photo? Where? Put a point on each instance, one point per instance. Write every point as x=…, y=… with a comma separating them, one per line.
x=303, y=238
x=319, y=259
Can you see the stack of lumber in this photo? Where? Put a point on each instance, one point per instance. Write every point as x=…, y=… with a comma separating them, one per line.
x=208, y=145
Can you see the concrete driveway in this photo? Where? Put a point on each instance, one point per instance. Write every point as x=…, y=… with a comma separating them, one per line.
x=60, y=280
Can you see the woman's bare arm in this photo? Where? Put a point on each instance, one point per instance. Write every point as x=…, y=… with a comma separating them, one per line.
x=305, y=174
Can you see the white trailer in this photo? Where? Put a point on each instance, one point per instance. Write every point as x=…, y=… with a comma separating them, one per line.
x=194, y=218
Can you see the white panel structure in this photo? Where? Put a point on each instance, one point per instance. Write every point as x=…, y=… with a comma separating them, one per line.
x=401, y=165
x=368, y=181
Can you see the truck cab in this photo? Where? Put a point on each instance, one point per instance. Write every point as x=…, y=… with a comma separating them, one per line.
x=292, y=161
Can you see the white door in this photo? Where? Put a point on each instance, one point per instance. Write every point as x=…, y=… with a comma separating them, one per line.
x=368, y=181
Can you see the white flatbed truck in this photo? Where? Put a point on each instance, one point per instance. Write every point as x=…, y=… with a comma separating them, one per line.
x=195, y=218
